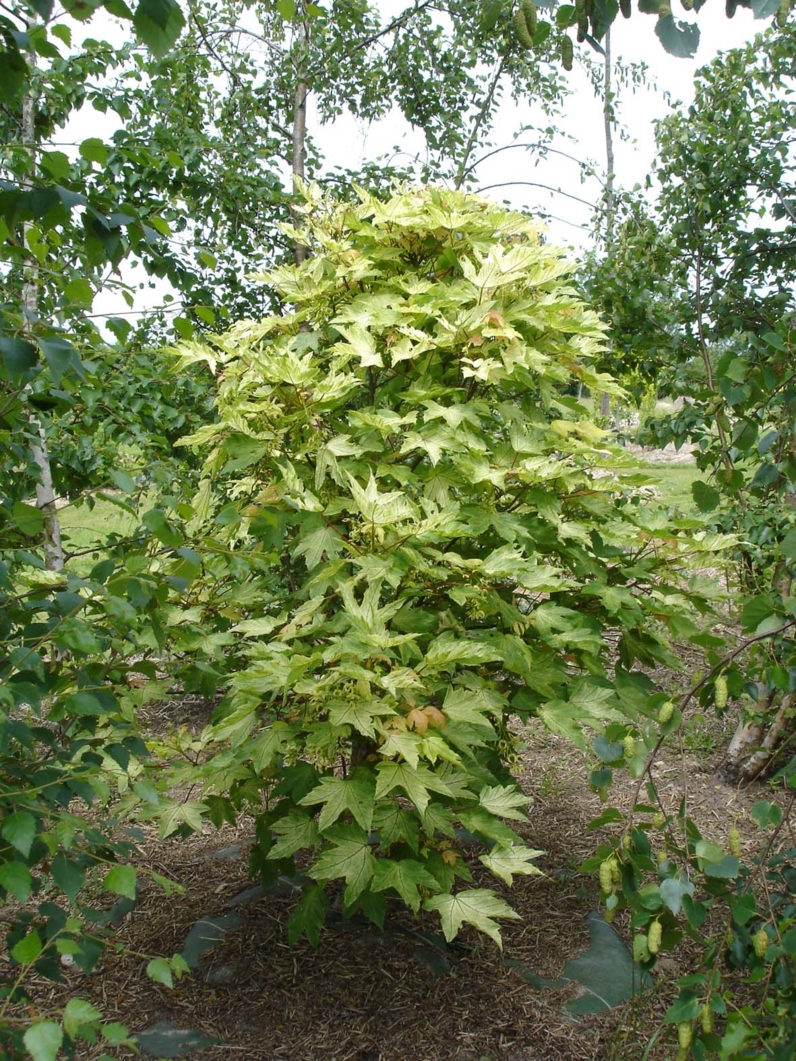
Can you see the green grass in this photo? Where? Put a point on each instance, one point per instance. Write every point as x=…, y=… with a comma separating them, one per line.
x=673, y=482
x=84, y=529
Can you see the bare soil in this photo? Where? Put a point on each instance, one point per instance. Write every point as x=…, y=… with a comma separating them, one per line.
x=367, y=995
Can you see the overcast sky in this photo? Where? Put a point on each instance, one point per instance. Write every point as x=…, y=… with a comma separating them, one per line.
x=634, y=40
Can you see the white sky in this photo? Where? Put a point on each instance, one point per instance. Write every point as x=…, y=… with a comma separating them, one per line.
x=634, y=40
x=347, y=142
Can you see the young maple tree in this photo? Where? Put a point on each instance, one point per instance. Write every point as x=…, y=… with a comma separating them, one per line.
x=450, y=544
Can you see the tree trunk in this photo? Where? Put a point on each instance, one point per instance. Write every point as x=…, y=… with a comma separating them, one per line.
x=610, y=200
x=45, y=495
x=299, y=133
x=754, y=745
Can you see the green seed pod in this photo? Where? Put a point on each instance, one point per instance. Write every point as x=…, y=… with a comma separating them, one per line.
x=734, y=842
x=666, y=712
x=521, y=31
x=610, y=915
x=720, y=693
x=629, y=746
x=782, y=12
x=688, y=5
x=567, y=52
x=684, y=1034
x=760, y=942
x=528, y=8
x=582, y=19
x=626, y=7
x=659, y=820
x=606, y=876
x=706, y=1017
x=664, y=10
x=654, y=937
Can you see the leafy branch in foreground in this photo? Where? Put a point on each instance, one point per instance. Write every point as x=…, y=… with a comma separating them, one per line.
x=740, y=1001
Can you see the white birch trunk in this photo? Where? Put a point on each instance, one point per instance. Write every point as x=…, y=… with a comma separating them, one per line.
x=45, y=495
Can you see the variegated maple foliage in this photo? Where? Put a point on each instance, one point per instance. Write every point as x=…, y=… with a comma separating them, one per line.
x=451, y=543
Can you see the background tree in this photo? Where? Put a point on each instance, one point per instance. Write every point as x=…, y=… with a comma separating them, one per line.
x=718, y=302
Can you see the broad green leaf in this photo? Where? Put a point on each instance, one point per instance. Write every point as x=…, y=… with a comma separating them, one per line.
x=19, y=358
x=160, y=970
x=417, y=782
x=28, y=949
x=20, y=831
x=79, y=292
x=504, y=801
x=68, y=875
x=94, y=150
x=295, y=831
x=338, y=795
x=766, y=814
x=309, y=916
x=28, y=518
x=788, y=545
x=57, y=164
x=158, y=24
x=504, y=862
x=446, y=651
x=61, y=358
x=78, y=1013
x=672, y=891
x=43, y=1040
x=706, y=497
x=478, y=907
x=348, y=856
x=678, y=38
x=120, y=879
x=16, y=880
x=405, y=876
x=171, y=815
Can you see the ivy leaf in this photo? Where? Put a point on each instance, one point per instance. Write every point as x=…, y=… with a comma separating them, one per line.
x=338, y=795
x=158, y=23
x=504, y=801
x=405, y=876
x=309, y=916
x=478, y=907
x=349, y=857
x=506, y=861
x=296, y=830
x=43, y=1040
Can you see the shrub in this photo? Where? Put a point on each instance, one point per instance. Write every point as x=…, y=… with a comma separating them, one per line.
x=451, y=546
